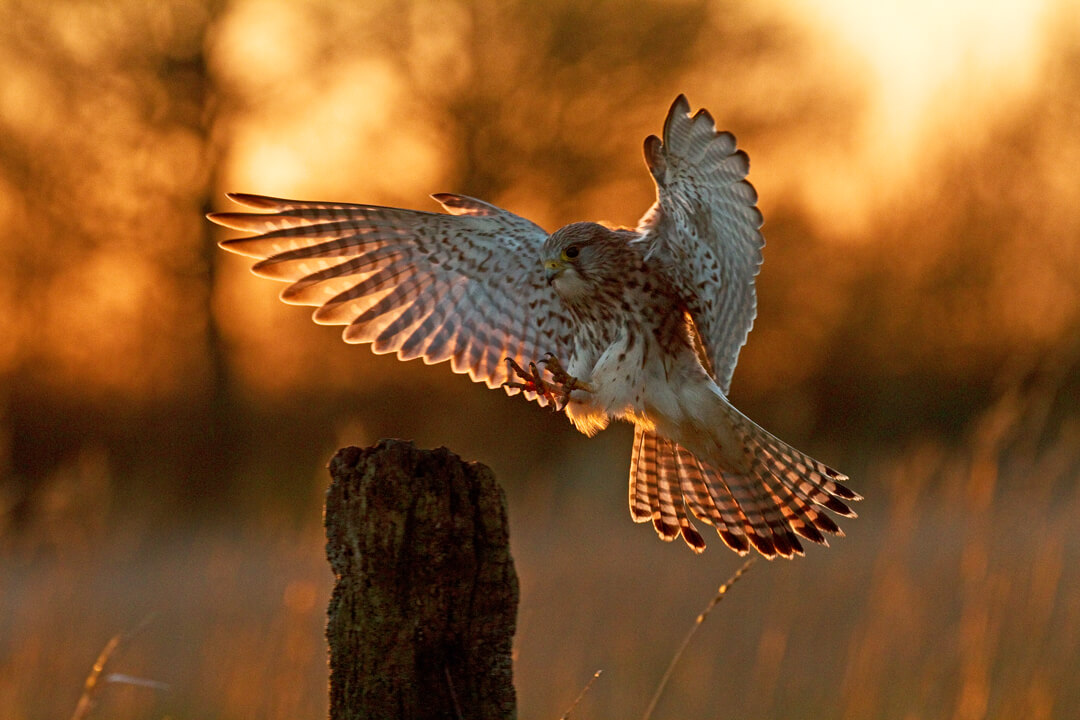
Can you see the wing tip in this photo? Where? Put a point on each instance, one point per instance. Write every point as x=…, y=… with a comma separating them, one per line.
x=680, y=109
x=243, y=220
x=705, y=115
x=654, y=157
x=448, y=201
x=680, y=104
x=259, y=202
x=232, y=220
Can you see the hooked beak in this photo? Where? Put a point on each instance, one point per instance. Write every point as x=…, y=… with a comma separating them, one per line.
x=552, y=270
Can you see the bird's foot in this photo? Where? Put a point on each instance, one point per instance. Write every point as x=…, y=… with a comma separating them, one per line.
x=567, y=383
x=531, y=380
x=557, y=391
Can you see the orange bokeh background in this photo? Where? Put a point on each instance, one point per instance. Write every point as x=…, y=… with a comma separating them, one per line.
x=163, y=415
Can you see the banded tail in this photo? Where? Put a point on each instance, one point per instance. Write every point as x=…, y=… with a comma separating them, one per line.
x=780, y=498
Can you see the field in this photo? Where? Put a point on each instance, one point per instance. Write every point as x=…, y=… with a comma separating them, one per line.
x=165, y=421
x=954, y=595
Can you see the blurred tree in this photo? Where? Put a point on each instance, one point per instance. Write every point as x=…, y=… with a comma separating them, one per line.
x=105, y=165
x=129, y=334
x=972, y=279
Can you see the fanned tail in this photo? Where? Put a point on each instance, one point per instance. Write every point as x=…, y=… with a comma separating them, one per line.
x=769, y=506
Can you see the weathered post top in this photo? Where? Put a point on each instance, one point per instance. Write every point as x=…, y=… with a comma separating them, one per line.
x=421, y=620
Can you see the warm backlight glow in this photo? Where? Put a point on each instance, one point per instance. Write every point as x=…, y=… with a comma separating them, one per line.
x=936, y=75
x=165, y=421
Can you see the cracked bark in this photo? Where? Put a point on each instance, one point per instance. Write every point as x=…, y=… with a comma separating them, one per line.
x=421, y=620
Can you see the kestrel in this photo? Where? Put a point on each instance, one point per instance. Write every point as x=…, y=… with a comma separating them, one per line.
x=649, y=322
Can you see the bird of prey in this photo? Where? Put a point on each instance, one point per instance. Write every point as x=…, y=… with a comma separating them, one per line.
x=641, y=324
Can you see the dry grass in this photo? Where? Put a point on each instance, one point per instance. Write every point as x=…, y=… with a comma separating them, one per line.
x=237, y=632
x=954, y=596
x=127, y=340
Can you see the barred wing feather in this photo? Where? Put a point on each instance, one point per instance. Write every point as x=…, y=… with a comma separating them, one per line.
x=463, y=286
x=705, y=223
x=705, y=228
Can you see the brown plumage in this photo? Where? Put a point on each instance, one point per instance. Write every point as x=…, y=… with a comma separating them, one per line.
x=648, y=322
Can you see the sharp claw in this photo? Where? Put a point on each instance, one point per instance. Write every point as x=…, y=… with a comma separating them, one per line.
x=557, y=393
x=533, y=381
x=541, y=386
x=515, y=369
x=558, y=372
x=518, y=371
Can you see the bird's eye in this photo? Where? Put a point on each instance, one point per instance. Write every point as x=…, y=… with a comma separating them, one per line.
x=571, y=252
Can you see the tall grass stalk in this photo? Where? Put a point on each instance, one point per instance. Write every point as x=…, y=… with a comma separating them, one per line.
x=693, y=630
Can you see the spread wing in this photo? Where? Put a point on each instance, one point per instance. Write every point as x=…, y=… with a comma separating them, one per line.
x=465, y=286
x=705, y=224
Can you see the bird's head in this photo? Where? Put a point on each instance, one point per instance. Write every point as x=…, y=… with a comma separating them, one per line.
x=580, y=257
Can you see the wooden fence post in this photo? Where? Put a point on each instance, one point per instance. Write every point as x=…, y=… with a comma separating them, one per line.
x=421, y=620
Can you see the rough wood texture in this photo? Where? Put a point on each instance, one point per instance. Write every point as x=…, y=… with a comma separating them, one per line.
x=421, y=621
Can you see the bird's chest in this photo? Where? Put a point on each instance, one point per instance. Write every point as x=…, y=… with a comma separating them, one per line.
x=626, y=366
x=629, y=345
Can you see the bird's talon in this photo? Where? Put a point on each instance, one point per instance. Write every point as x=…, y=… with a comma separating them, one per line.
x=533, y=380
x=567, y=383
x=556, y=392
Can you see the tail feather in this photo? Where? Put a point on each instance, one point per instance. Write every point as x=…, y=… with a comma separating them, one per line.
x=710, y=501
x=671, y=488
x=775, y=499
x=666, y=520
x=656, y=490
x=807, y=478
x=800, y=516
x=768, y=530
x=643, y=476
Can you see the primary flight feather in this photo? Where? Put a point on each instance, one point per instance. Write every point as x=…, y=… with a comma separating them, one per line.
x=643, y=325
